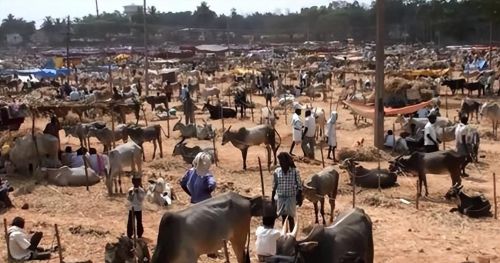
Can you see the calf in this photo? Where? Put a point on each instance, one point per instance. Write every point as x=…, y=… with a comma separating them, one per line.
x=140, y=135
x=182, y=237
x=323, y=183
x=125, y=155
x=472, y=206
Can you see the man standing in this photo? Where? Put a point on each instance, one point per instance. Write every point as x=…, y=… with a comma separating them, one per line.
x=431, y=143
x=136, y=196
x=268, y=94
x=308, y=135
x=461, y=134
x=296, y=127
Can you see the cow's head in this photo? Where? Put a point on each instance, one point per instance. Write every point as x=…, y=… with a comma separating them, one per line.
x=454, y=191
x=402, y=164
x=289, y=249
x=178, y=125
x=225, y=136
x=178, y=148
x=348, y=164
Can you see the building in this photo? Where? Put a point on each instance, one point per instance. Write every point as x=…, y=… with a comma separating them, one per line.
x=132, y=9
x=14, y=39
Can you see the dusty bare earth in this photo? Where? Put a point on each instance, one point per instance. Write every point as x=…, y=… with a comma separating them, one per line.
x=88, y=220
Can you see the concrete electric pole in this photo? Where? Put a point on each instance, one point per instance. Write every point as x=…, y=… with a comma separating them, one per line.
x=379, y=78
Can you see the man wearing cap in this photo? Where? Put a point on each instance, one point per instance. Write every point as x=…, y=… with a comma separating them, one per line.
x=308, y=135
x=296, y=127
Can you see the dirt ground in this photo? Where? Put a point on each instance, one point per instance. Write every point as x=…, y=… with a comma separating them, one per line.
x=88, y=220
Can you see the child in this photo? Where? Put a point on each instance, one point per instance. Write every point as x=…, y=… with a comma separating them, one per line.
x=266, y=238
x=136, y=196
x=389, y=139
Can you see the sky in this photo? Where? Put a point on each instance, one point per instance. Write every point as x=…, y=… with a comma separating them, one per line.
x=36, y=10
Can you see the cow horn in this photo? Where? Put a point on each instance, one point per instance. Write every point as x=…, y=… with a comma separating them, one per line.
x=229, y=127
x=295, y=228
x=284, y=230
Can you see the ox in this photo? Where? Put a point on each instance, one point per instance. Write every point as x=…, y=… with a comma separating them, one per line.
x=191, y=130
x=472, y=206
x=218, y=112
x=244, y=138
x=106, y=136
x=209, y=92
x=491, y=110
x=454, y=85
x=323, y=183
x=369, y=178
x=26, y=152
x=268, y=116
x=125, y=155
x=436, y=162
x=81, y=131
x=140, y=135
x=470, y=107
x=188, y=154
x=160, y=192
x=66, y=176
x=349, y=239
x=475, y=86
x=181, y=240
x=125, y=251
x=158, y=99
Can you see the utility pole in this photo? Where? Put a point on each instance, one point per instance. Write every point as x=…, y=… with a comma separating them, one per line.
x=146, y=62
x=67, y=49
x=379, y=78
x=96, y=8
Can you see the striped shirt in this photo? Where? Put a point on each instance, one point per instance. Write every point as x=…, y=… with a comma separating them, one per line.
x=288, y=184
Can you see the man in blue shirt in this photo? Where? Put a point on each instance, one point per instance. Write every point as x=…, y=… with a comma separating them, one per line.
x=198, y=182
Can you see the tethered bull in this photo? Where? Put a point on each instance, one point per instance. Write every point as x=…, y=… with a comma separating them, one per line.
x=437, y=162
x=320, y=184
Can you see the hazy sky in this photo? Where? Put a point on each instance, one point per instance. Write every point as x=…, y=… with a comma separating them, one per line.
x=37, y=9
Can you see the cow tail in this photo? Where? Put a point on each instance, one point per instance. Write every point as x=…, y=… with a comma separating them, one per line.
x=279, y=143
x=247, y=252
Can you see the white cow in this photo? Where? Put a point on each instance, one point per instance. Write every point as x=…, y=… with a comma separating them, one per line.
x=66, y=176
x=24, y=154
x=159, y=192
x=123, y=156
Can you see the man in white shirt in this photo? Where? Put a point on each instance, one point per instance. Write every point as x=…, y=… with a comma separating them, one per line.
x=463, y=146
x=308, y=135
x=265, y=243
x=431, y=142
x=24, y=246
x=296, y=127
x=422, y=113
x=136, y=195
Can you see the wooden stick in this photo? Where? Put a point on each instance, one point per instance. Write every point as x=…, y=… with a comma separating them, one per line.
x=322, y=156
x=261, y=178
x=144, y=112
x=331, y=99
x=442, y=138
x=495, y=194
x=59, y=245
x=222, y=114
x=134, y=228
x=285, y=108
x=226, y=253
x=353, y=191
x=393, y=138
x=86, y=172
x=168, y=121
x=6, y=237
x=418, y=195
x=113, y=126
x=215, y=151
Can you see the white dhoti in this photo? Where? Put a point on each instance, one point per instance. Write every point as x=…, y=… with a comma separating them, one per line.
x=297, y=135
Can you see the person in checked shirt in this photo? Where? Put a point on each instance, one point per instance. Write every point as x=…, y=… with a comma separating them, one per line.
x=287, y=188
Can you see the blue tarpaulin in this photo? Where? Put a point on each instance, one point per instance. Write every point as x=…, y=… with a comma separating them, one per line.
x=44, y=72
